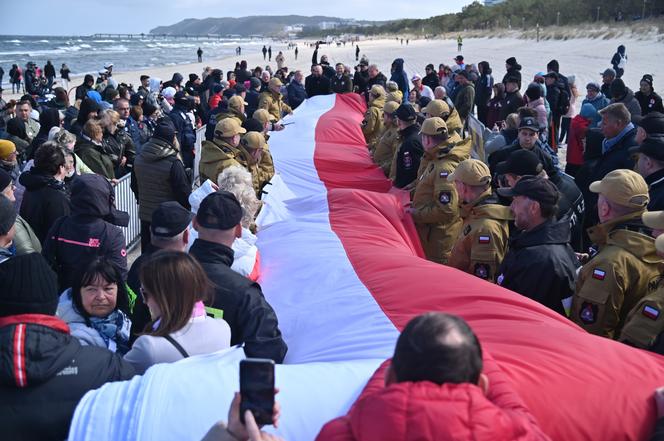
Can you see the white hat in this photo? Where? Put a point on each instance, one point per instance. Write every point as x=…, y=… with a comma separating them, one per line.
x=108, y=65
x=168, y=92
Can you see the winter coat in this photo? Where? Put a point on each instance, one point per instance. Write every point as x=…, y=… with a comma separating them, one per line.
x=372, y=125
x=483, y=90
x=250, y=317
x=44, y=201
x=252, y=102
x=570, y=206
x=55, y=373
x=576, y=141
x=425, y=411
x=408, y=156
x=494, y=112
x=649, y=103
x=599, y=102
x=542, y=116
x=25, y=240
x=341, y=84
x=465, y=101
x=379, y=79
x=510, y=104
x=274, y=104
x=296, y=94
x=541, y=265
x=317, y=85
x=400, y=77
x=360, y=81
x=159, y=176
x=184, y=131
x=431, y=80
x=120, y=145
x=95, y=156
x=655, y=183
x=630, y=102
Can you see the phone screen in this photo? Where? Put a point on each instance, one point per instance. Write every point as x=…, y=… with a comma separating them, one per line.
x=257, y=389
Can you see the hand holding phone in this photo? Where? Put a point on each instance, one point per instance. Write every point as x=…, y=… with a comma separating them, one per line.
x=257, y=389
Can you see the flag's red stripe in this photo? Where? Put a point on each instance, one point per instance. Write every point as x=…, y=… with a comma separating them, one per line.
x=549, y=359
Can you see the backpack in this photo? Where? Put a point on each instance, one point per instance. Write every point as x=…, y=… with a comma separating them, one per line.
x=563, y=102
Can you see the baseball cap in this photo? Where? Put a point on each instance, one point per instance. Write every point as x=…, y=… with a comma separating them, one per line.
x=653, y=219
x=390, y=107
x=433, y=126
x=593, y=85
x=652, y=123
x=6, y=148
x=458, y=58
x=253, y=140
x=377, y=90
x=416, y=77
x=623, y=187
x=406, y=112
x=219, y=211
x=235, y=102
x=263, y=116
x=529, y=123
x=170, y=219
x=653, y=146
x=228, y=127
x=275, y=82
x=608, y=72
x=471, y=172
x=521, y=162
x=437, y=108
x=533, y=187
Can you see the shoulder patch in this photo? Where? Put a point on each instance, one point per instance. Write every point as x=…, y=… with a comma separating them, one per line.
x=651, y=312
x=407, y=160
x=482, y=271
x=445, y=197
x=467, y=230
x=484, y=239
x=444, y=174
x=599, y=274
x=588, y=313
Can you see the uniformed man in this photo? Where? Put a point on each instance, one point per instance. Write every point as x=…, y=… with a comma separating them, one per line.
x=449, y=114
x=388, y=142
x=272, y=100
x=269, y=124
x=372, y=125
x=235, y=110
x=626, y=267
x=341, y=81
x=482, y=244
x=435, y=207
x=650, y=165
x=645, y=322
x=222, y=151
x=408, y=156
x=393, y=92
x=252, y=146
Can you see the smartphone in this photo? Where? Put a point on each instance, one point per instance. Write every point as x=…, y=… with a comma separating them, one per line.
x=257, y=389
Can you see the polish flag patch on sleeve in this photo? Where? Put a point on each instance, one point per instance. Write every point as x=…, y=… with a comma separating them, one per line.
x=484, y=239
x=599, y=274
x=651, y=312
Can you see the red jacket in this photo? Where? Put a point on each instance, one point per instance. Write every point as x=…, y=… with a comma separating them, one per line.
x=576, y=142
x=425, y=411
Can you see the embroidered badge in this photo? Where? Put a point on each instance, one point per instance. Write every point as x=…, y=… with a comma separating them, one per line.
x=588, y=313
x=407, y=160
x=466, y=230
x=500, y=279
x=651, y=312
x=445, y=197
x=444, y=175
x=484, y=239
x=482, y=271
x=599, y=274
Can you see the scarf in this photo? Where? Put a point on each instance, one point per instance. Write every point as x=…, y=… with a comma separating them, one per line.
x=608, y=144
x=114, y=330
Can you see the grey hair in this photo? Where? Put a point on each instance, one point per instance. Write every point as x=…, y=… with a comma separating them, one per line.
x=238, y=181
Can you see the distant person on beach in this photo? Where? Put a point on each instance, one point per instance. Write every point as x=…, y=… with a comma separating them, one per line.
x=459, y=43
x=619, y=61
x=264, y=50
x=357, y=53
x=199, y=52
x=49, y=73
x=2, y=74
x=296, y=52
x=269, y=54
x=64, y=75
x=281, y=60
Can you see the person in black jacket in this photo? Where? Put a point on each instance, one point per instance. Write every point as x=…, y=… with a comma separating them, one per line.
x=483, y=91
x=45, y=198
x=528, y=139
x=341, y=82
x=411, y=150
x=49, y=73
x=400, y=77
x=375, y=77
x=513, y=99
x=431, y=77
x=44, y=371
x=317, y=83
x=92, y=229
x=650, y=165
x=647, y=97
x=83, y=89
x=540, y=263
x=252, y=96
x=619, y=60
x=513, y=71
x=251, y=318
x=361, y=78
x=184, y=129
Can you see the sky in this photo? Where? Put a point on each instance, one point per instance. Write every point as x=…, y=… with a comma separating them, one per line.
x=87, y=17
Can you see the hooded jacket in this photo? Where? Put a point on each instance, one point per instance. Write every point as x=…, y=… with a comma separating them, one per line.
x=185, y=133
x=541, y=265
x=158, y=164
x=372, y=125
x=88, y=106
x=48, y=119
x=92, y=229
x=55, y=373
x=400, y=77
x=44, y=201
x=95, y=156
x=251, y=318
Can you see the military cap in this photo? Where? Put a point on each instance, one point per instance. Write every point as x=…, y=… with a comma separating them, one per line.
x=623, y=187
x=390, y=107
x=228, y=127
x=275, y=82
x=253, y=140
x=433, y=126
x=377, y=90
x=219, y=211
x=235, y=102
x=652, y=146
x=533, y=187
x=406, y=112
x=437, y=108
x=170, y=219
x=652, y=123
x=529, y=123
x=471, y=172
x=263, y=116
x=521, y=162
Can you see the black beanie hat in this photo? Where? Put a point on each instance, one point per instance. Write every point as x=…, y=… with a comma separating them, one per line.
x=5, y=179
x=534, y=92
x=28, y=285
x=648, y=79
x=165, y=129
x=618, y=89
x=511, y=61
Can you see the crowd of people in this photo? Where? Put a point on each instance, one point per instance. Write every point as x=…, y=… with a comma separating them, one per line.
x=583, y=241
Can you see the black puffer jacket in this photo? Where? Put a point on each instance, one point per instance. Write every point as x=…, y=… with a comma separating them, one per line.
x=541, y=265
x=45, y=199
x=251, y=318
x=409, y=156
x=38, y=396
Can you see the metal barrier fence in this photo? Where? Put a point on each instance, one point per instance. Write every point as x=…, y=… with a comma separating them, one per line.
x=125, y=200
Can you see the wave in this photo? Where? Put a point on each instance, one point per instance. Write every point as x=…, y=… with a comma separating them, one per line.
x=14, y=41
x=115, y=48
x=42, y=41
x=103, y=41
x=85, y=45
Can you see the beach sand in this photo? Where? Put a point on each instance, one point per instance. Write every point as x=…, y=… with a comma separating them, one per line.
x=584, y=58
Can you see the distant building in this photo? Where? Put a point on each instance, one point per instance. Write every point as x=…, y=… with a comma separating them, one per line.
x=492, y=2
x=324, y=25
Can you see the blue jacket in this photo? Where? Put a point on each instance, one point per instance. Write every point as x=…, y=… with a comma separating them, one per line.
x=252, y=102
x=599, y=102
x=399, y=76
x=131, y=127
x=296, y=94
x=185, y=134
